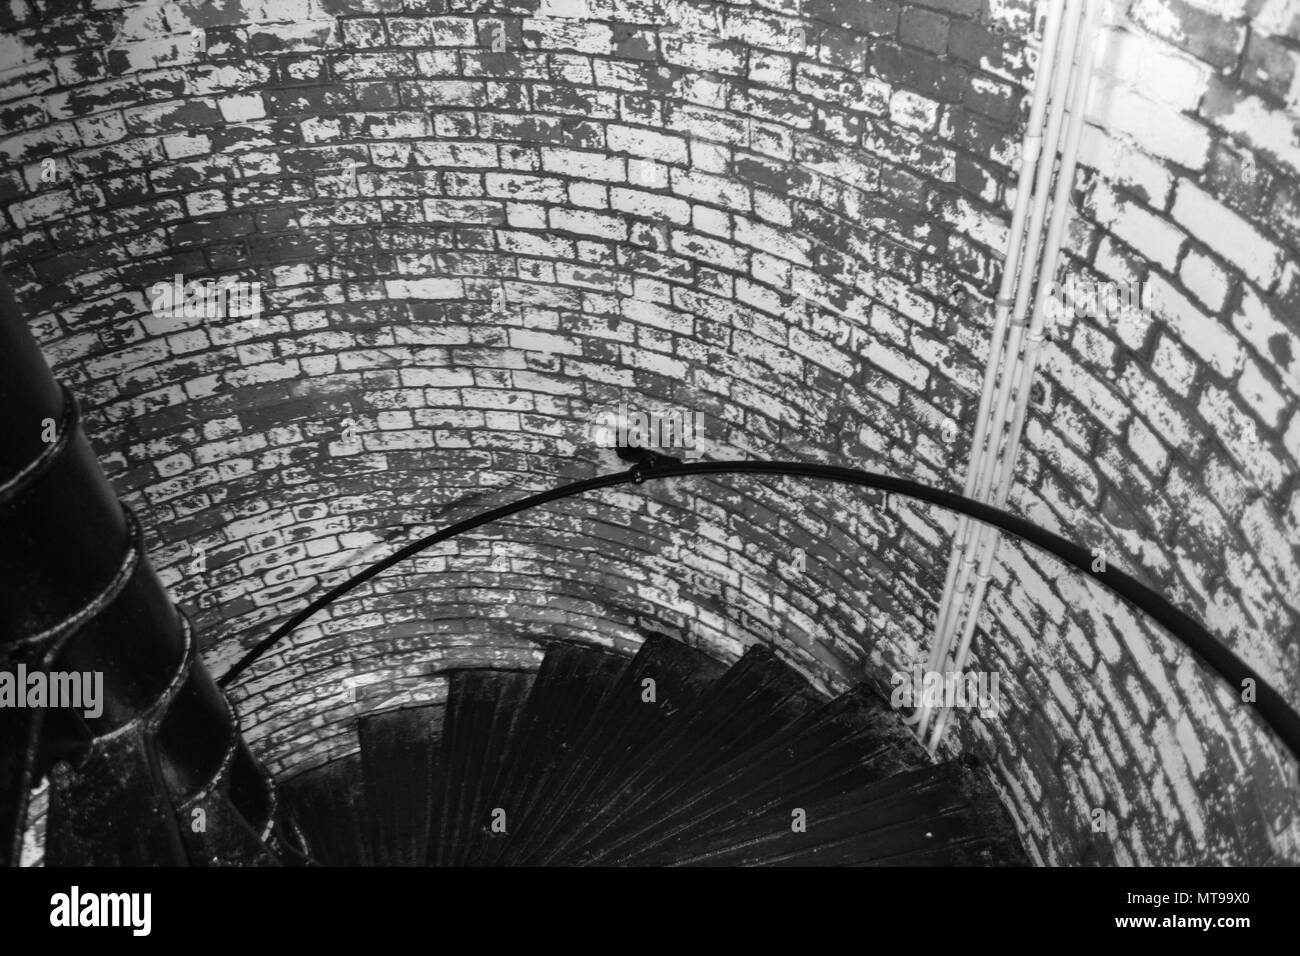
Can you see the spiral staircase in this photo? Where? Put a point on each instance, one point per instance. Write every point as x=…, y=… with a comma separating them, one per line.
x=665, y=758
x=668, y=758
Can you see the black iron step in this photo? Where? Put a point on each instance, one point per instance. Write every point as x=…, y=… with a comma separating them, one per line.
x=845, y=744
x=398, y=752
x=572, y=681
x=481, y=708
x=478, y=817
x=759, y=697
x=328, y=804
x=939, y=815
x=667, y=758
x=661, y=682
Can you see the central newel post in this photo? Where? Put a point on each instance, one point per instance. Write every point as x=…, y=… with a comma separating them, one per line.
x=156, y=773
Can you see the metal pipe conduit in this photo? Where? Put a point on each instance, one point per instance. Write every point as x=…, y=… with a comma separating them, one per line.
x=1012, y=409
x=1038, y=149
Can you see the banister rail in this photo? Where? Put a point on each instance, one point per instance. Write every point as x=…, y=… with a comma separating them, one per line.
x=1272, y=707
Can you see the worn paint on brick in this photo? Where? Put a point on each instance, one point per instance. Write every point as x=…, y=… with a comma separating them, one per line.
x=759, y=214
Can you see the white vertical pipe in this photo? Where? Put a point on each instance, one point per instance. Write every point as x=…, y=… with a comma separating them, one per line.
x=1051, y=258
x=1007, y=386
x=990, y=426
x=985, y=473
x=983, y=487
x=1030, y=152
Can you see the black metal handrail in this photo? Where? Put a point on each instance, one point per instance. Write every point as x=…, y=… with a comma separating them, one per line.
x=1272, y=707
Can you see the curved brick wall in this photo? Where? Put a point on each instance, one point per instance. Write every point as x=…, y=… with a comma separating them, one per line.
x=477, y=223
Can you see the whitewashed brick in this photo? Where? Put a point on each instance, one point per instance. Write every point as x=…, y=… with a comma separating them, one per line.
x=1214, y=342
x=1145, y=444
x=1201, y=275
x=1171, y=363
x=650, y=205
x=1264, y=127
x=644, y=143
x=1258, y=392
x=1122, y=163
x=1275, y=342
x=1227, y=233
x=242, y=107
x=424, y=288
x=1240, y=435
x=1159, y=130
x=1153, y=68
x=1137, y=226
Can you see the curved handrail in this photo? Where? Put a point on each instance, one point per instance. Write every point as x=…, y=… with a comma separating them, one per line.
x=1274, y=710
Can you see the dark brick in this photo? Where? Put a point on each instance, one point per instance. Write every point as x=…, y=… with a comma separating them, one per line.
x=1203, y=34
x=934, y=78
x=313, y=100
x=1285, y=214
x=634, y=43
x=877, y=17
x=1240, y=180
x=1002, y=103
x=841, y=48
x=1270, y=66
x=975, y=44
x=924, y=29
x=956, y=8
